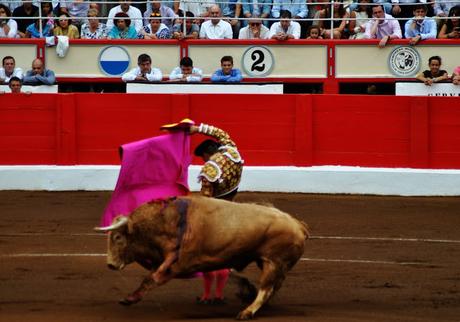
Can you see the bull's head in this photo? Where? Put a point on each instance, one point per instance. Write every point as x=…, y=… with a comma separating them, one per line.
x=118, y=253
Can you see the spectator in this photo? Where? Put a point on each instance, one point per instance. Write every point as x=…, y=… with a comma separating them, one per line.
x=9, y=70
x=15, y=85
x=186, y=72
x=442, y=7
x=405, y=9
x=420, y=27
x=26, y=10
x=39, y=75
x=143, y=71
x=314, y=32
x=47, y=11
x=456, y=76
x=66, y=28
x=93, y=29
x=256, y=8
x=285, y=28
x=451, y=27
x=215, y=28
x=122, y=28
x=231, y=11
x=382, y=26
x=227, y=74
x=362, y=14
x=435, y=74
x=255, y=30
x=298, y=9
x=76, y=9
x=338, y=23
x=131, y=11
x=192, y=30
x=199, y=9
x=165, y=12
x=386, y=4
x=33, y=31
x=8, y=26
x=156, y=29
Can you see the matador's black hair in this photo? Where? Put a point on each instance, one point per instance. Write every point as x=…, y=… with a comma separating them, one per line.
x=207, y=146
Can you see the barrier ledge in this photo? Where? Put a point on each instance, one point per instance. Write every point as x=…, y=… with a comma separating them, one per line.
x=318, y=179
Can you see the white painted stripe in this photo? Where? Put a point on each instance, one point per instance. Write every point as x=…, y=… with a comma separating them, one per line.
x=416, y=240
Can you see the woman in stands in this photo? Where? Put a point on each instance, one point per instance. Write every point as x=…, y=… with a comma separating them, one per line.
x=362, y=14
x=66, y=28
x=93, y=29
x=33, y=30
x=451, y=28
x=8, y=26
x=155, y=29
x=122, y=28
x=339, y=23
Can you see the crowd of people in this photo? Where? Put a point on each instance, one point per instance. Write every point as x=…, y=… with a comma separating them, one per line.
x=234, y=19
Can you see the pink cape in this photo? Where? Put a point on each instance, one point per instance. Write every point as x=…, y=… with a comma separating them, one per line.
x=151, y=169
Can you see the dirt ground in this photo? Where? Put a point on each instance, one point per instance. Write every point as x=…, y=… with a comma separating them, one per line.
x=369, y=259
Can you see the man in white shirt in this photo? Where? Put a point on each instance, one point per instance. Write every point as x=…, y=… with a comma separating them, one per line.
x=143, y=71
x=285, y=28
x=9, y=70
x=215, y=28
x=133, y=13
x=186, y=72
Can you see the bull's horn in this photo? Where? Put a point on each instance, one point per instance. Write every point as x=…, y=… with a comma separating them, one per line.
x=120, y=223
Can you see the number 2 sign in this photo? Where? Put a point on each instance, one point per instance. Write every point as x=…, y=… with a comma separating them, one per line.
x=258, y=61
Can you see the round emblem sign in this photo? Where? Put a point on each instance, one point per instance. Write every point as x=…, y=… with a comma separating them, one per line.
x=404, y=61
x=114, y=60
x=257, y=61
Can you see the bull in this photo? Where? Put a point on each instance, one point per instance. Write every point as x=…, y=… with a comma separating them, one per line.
x=179, y=237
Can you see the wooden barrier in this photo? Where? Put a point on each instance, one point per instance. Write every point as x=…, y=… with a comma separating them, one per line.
x=291, y=130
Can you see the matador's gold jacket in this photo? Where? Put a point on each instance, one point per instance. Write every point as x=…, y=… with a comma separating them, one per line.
x=221, y=174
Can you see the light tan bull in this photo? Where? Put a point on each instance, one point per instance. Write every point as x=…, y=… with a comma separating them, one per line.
x=179, y=237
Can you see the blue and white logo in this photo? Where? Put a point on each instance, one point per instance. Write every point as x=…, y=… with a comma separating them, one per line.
x=114, y=60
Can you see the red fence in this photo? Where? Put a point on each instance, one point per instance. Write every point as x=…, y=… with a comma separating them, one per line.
x=300, y=130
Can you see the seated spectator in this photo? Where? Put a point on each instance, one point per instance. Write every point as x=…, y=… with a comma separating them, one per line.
x=434, y=74
x=442, y=8
x=339, y=23
x=199, y=9
x=314, y=32
x=298, y=10
x=362, y=14
x=26, y=10
x=131, y=12
x=122, y=28
x=33, y=31
x=47, y=11
x=143, y=71
x=404, y=9
x=66, y=28
x=77, y=10
x=231, y=11
x=227, y=74
x=215, y=28
x=382, y=27
x=386, y=4
x=155, y=29
x=420, y=27
x=15, y=85
x=285, y=28
x=456, y=76
x=8, y=26
x=9, y=70
x=256, y=8
x=186, y=72
x=39, y=75
x=192, y=30
x=165, y=12
x=255, y=30
x=93, y=29
x=451, y=27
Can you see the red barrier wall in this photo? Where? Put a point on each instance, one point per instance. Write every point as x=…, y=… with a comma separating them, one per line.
x=300, y=130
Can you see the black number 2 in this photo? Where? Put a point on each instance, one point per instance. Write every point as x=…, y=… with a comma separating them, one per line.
x=258, y=58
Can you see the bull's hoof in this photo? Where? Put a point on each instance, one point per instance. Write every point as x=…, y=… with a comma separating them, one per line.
x=244, y=315
x=130, y=300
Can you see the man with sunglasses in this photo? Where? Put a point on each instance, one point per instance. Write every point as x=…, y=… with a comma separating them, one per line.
x=254, y=30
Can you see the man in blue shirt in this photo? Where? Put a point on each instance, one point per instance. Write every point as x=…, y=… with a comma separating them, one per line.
x=420, y=27
x=39, y=75
x=227, y=74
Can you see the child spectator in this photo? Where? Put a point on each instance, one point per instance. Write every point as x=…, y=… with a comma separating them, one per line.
x=186, y=72
x=362, y=14
x=8, y=26
x=122, y=28
x=451, y=28
x=314, y=32
x=66, y=28
x=15, y=85
x=227, y=74
x=192, y=30
x=434, y=74
x=93, y=29
x=155, y=29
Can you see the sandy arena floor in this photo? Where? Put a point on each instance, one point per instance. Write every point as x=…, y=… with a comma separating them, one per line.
x=370, y=258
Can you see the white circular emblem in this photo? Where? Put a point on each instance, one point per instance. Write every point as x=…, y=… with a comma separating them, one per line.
x=114, y=60
x=404, y=61
x=257, y=61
